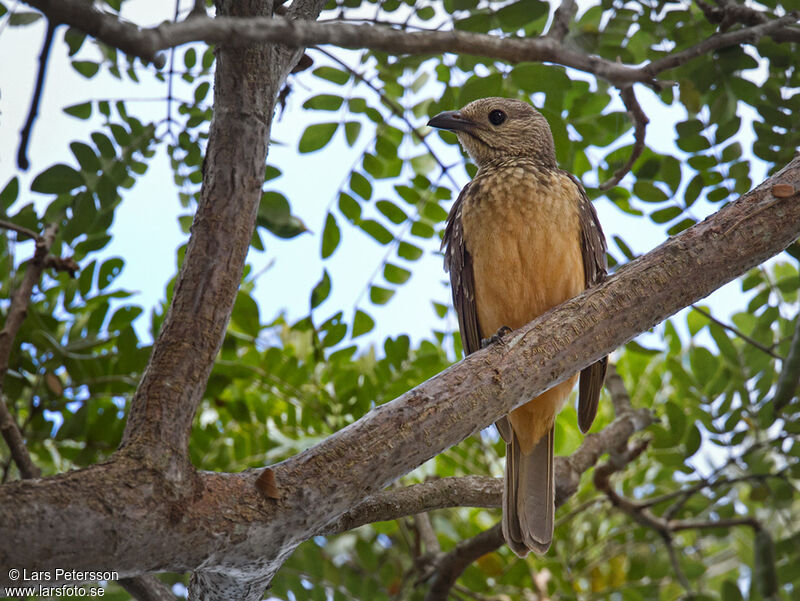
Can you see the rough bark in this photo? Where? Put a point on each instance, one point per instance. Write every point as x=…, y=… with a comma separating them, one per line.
x=135, y=518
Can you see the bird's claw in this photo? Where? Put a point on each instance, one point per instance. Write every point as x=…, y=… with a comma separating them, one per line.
x=497, y=337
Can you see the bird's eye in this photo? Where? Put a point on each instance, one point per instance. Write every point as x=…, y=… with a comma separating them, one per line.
x=496, y=117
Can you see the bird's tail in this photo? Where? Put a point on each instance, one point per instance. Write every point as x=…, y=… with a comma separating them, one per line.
x=529, y=496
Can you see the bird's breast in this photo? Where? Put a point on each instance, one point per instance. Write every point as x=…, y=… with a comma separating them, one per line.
x=521, y=228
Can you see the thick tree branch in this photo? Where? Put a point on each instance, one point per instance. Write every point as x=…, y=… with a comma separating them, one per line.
x=146, y=43
x=173, y=383
x=138, y=519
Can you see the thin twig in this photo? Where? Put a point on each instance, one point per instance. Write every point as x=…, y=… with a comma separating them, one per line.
x=789, y=380
x=676, y=566
x=25, y=134
x=738, y=333
x=640, y=122
x=16, y=315
x=19, y=229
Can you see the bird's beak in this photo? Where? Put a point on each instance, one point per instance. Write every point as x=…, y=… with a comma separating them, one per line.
x=452, y=120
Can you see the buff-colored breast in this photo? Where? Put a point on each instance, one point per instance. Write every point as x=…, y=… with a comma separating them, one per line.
x=521, y=228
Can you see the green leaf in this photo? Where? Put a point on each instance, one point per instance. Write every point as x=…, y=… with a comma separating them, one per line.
x=376, y=231
x=665, y=215
x=19, y=18
x=696, y=321
x=316, y=136
x=245, y=314
x=123, y=317
x=647, y=191
x=730, y=591
x=109, y=270
x=86, y=278
x=337, y=76
x=274, y=214
x=693, y=440
x=190, y=58
x=629, y=254
x=362, y=323
x=331, y=236
x=408, y=251
x=324, y=102
x=677, y=419
x=379, y=295
x=392, y=212
x=9, y=194
x=360, y=185
x=680, y=226
x=86, y=157
x=104, y=145
x=349, y=207
x=518, y=14
x=426, y=13
x=321, y=290
x=395, y=274
x=351, y=131
x=81, y=111
x=86, y=68
x=57, y=179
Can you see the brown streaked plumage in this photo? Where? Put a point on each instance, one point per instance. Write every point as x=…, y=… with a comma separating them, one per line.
x=521, y=238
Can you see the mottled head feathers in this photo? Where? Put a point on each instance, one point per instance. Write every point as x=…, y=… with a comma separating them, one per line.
x=494, y=130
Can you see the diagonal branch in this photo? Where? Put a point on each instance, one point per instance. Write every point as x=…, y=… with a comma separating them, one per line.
x=221, y=525
x=733, y=330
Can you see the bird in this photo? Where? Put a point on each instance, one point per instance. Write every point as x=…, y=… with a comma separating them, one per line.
x=521, y=238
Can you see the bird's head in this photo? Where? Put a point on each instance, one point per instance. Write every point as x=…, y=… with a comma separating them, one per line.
x=497, y=129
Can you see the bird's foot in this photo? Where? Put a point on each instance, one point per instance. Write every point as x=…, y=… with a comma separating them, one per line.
x=498, y=336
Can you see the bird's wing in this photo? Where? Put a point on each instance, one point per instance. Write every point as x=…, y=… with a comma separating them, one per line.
x=458, y=262
x=595, y=267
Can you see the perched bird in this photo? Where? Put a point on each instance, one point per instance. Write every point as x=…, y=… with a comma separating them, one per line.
x=521, y=238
